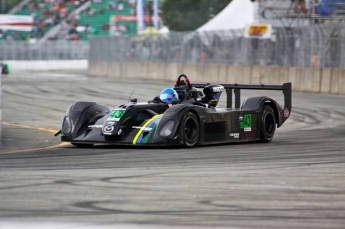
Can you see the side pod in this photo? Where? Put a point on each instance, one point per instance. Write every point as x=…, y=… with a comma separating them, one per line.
x=78, y=116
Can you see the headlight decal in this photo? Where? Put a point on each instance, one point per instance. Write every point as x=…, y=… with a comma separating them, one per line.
x=167, y=129
x=66, y=126
x=139, y=136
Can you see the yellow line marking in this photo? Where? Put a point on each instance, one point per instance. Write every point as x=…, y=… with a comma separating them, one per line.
x=30, y=127
x=35, y=149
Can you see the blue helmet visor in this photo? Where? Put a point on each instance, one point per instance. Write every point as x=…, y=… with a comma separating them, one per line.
x=166, y=97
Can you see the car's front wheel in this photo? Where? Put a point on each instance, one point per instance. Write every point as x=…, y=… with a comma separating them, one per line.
x=190, y=129
x=267, y=124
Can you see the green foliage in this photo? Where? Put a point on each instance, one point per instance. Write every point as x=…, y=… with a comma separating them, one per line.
x=187, y=15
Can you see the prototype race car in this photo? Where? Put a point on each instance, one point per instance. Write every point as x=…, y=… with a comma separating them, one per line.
x=193, y=119
x=4, y=68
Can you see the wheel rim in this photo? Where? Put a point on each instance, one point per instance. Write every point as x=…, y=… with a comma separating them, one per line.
x=190, y=130
x=269, y=124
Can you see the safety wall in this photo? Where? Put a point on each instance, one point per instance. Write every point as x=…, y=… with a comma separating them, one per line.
x=318, y=80
x=46, y=65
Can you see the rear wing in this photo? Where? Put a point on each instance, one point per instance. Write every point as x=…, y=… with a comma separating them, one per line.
x=286, y=88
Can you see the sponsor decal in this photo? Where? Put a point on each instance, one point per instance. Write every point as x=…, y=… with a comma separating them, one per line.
x=286, y=112
x=119, y=132
x=218, y=89
x=95, y=126
x=247, y=122
x=108, y=128
x=248, y=129
x=111, y=123
x=142, y=128
x=261, y=31
x=257, y=30
x=235, y=135
x=139, y=137
x=16, y=22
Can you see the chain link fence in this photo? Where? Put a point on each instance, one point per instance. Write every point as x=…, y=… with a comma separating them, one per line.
x=52, y=50
x=318, y=45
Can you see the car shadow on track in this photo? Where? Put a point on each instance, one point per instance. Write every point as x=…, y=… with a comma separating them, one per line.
x=157, y=147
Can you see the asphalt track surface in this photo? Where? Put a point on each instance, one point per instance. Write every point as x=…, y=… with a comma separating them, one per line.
x=296, y=181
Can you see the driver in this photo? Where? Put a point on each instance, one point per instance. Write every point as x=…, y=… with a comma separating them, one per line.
x=167, y=96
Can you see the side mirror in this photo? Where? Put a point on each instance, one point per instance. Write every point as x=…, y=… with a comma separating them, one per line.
x=176, y=101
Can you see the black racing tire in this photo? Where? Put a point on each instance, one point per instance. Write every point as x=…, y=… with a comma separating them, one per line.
x=80, y=145
x=190, y=129
x=268, y=124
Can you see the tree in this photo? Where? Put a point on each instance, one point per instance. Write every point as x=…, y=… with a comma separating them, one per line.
x=188, y=15
x=6, y=6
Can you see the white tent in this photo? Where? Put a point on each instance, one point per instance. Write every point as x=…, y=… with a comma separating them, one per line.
x=164, y=30
x=236, y=15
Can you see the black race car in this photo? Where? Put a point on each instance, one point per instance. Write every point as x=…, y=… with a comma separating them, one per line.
x=4, y=68
x=193, y=119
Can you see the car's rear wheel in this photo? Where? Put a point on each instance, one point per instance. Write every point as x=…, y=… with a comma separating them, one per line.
x=80, y=145
x=190, y=129
x=267, y=124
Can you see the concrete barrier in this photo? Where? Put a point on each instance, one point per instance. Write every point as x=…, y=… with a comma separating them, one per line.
x=266, y=73
x=173, y=70
x=222, y=73
x=126, y=71
x=292, y=79
x=191, y=71
x=209, y=73
x=247, y=73
x=256, y=75
x=98, y=68
x=337, y=81
x=114, y=69
x=341, y=82
x=307, y=76
x=91, y=70
x=296, y=78
x=325, y=80
x=235, y=74
x=316, y=80
x=326, y=75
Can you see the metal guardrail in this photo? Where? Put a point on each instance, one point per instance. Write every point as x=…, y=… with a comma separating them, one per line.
x=50, y=50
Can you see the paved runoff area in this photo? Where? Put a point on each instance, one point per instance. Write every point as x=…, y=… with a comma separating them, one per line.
x=295, y=181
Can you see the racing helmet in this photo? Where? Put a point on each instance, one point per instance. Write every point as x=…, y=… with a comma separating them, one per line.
x=168, y=95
